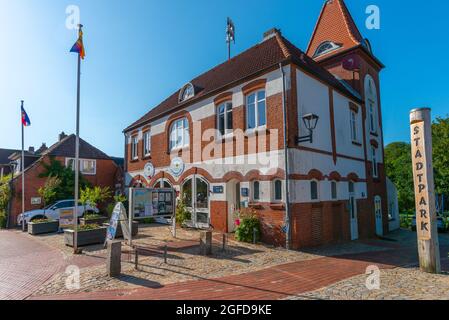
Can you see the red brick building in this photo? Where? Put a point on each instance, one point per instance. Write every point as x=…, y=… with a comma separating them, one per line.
x=223, y=143
x=97, y=167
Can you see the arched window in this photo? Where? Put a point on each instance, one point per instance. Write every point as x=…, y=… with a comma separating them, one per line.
x=277, y=190
x=334, y=191
x=326, y=47
x=179, y=134
x=314, y=190
x=371, y=102
x=162, y=184
x=256, y=111
x=256, y=190
x=187, y=92
x=224, y=121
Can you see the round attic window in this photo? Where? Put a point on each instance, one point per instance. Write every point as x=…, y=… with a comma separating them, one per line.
x=187, y=92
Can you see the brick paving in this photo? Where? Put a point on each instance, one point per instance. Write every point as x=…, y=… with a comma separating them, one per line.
x=278, y=282
x=24, y=265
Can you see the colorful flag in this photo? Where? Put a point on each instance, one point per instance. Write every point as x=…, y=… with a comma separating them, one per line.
x=25, y=119
x=78, y=47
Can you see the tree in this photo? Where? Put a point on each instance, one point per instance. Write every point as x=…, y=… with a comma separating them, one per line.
x=398, y=165
x=50, y=190
x=95, y=196
x=66, y=189
x=440, y=136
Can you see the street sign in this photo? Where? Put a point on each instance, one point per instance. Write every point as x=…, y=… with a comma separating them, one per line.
x=118, y=215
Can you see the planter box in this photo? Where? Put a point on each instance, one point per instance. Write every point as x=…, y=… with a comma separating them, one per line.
x=98, y=221
x=43, y=228
x=85, y=238
x=119, y=233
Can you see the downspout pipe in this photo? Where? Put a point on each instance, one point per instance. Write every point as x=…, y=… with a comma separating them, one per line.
x=286, y=166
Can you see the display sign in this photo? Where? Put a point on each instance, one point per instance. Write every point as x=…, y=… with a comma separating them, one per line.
x=66, y=218
x=36, y=201
x=218, y=189
x=152, y=203
x=118, y=216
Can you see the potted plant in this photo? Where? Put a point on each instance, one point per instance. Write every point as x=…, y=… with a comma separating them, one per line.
x=42, y=226
x=93, y=219
x=87, y=235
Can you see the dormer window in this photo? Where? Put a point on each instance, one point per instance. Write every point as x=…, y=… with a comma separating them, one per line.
x=326, y=47
x=187, y=92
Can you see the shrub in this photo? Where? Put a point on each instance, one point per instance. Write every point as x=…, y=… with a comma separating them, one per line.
x=88, y=227
x=2, y=219
x=247, y=221
x=94, y=196
x=92, y=216
x=50, y=190
x=37, y=221
x=182, y=214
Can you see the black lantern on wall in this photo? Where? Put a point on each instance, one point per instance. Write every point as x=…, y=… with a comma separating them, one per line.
x=310, y=121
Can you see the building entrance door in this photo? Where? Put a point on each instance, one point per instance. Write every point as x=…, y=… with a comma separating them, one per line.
x=195, y=192
x=233, y=199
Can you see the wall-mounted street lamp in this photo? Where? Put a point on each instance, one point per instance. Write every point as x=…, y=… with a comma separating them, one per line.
x=310, y=121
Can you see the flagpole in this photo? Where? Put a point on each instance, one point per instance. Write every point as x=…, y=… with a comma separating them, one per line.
x=23, y=172
x=77, y=147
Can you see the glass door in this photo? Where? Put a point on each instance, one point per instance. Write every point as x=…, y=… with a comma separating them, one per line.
x=195, y=192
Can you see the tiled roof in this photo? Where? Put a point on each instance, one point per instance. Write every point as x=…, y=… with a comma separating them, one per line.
x=66, y=148
x=259, y=58
x=5, y=154
x=337, y=25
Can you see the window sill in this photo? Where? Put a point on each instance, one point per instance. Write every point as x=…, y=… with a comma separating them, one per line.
x=356, y=143
x=147, y=157
x=177, y=150
x=374, y=133
x=134, y=160
x=255, y=205
x=277, y=206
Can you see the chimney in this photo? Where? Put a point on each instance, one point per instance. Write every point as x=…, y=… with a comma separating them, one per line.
x=31, y=150
x=42, y=149
x=62, y=135
x=271, y=33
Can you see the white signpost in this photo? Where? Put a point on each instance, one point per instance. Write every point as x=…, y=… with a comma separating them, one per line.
x=426, y=223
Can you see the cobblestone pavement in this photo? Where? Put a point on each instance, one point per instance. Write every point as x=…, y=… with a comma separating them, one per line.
x=184, y=262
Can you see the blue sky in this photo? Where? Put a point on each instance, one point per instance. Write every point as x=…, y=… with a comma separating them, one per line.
x=140, y=51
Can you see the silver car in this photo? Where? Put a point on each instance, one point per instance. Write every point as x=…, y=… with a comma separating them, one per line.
x=53, y=211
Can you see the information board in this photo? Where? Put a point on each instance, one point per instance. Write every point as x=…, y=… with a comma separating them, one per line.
x=147, y=203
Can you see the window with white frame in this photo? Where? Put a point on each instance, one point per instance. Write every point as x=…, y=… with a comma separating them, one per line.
x=224, y=120
x=351, y=187
x=134, y=145
x=277, y=190
x=86, y=166
x=256, y=190
x=353, y=125
x=375, y=165
x=256, y=111
x=147, y=143
x=314, y=190
x=326, y=47
x=334, y=190
x=179, y=134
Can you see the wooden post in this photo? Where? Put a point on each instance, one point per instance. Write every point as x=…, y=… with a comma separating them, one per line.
x=114, y=259
x=426, y=218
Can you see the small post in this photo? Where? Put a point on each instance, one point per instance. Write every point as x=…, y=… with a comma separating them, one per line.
x=165, y=253
x=206, y=243
x=254, y=236
x=426, y=217
x=114, y=258
x=224, y=242
x=136, y=259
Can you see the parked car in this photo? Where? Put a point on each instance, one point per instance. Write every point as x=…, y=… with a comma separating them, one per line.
x=440, y=223
x=52, y=212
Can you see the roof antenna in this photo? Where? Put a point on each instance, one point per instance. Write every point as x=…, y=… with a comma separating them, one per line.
x=230, y=36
